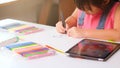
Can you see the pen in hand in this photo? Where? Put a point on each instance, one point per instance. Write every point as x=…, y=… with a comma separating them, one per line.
x=63, y=20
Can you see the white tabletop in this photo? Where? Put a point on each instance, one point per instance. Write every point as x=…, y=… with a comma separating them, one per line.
x=10, y=60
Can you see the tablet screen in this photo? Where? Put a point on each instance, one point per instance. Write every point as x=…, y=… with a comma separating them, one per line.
x=93, y=49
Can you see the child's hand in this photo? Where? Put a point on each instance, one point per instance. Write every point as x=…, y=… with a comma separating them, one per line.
x=70, y=22
x=60, y=28
x=76, y=32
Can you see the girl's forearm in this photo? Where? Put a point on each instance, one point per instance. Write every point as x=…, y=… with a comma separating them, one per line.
x=103, y=34
x=71, y=21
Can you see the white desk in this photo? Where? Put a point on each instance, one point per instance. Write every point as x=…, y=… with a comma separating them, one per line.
x=10, y=60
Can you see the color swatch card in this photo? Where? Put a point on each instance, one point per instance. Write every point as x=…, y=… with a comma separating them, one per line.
x=25, y=29
x=30, y=50
x=8, y=26
x=19, y=28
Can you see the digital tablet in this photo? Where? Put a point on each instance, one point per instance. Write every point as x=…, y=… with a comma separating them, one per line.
x=93, y=49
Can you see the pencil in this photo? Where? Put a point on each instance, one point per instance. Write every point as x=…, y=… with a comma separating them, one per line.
x=62, y=18
x=55, y=49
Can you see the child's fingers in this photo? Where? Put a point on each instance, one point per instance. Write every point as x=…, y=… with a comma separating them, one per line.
x=59, y=27
x=67, y=27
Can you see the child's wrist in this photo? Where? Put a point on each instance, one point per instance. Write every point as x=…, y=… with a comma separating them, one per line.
x=83, y=33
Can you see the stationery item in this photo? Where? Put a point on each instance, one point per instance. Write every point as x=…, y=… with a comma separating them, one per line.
x=93, y=49
x=42, y=50
x=12, y=25
x=7, y=38
x=63, y=20
x=20, y=28
x=27, y=49
x=6, y=25
x=49, y=53
x=55, y=49
x=16, y=45
x=28, y=30
x=30, y=50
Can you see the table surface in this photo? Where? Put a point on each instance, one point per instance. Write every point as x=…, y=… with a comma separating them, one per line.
x=49, y=36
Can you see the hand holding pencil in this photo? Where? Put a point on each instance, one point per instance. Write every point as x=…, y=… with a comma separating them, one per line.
x=61, y=25
x=60, y=28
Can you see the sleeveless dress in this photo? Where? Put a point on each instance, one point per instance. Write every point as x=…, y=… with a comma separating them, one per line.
x=92, y=21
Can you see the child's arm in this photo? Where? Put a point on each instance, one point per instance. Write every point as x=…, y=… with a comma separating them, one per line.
x=113, y=34
x=72, y=20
